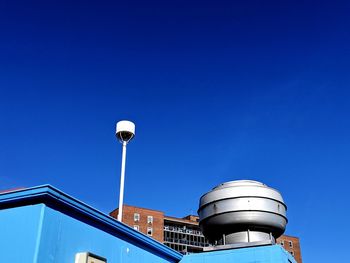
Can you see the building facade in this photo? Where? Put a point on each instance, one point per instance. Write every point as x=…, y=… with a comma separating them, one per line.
x=292, y=245
x=147, y=221
x=183, y=234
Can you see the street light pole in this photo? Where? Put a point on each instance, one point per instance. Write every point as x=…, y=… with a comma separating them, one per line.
x=122, y=177
x=125, y=131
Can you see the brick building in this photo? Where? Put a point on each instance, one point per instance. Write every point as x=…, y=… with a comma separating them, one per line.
x=292, y=245
x=183, y=234
x=147, y=221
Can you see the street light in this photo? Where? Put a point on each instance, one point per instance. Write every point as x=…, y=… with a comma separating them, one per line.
x=125, y=131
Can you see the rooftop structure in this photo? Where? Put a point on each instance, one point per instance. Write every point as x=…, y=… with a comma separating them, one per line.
x=183, y=234
x=43, y=224
x=242, y=212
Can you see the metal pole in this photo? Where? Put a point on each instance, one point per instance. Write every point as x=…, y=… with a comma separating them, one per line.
x=122, y=176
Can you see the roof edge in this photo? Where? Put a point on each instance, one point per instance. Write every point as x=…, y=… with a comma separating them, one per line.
x=65, y=203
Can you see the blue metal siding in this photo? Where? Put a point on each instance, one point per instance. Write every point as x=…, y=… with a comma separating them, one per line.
x=45, y=225
x=263, y=254
x=63, y=237
x=20, y=229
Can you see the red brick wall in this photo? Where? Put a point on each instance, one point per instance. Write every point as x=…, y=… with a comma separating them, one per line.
x=295, y=246
x=157, y=225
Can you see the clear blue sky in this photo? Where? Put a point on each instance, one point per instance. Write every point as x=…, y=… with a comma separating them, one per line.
x=219, y=91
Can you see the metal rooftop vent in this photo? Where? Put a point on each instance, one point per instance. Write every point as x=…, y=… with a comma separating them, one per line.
x=242, y=213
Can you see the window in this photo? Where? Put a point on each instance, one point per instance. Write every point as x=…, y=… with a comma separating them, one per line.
x=149, y=231
x=136, y=217
x=149, y=219
x=290, y=244
x=136, y=227
x=282, y=243
x=291, y=252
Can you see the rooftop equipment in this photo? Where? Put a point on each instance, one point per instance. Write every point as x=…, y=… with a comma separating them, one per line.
x=242, y=213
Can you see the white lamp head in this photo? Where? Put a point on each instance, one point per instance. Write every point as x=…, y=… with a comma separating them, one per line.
x=125, y=131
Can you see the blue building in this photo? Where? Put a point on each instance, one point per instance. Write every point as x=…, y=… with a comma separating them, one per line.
x=44, y=225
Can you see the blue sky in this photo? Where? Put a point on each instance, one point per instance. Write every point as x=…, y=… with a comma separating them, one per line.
x=219, y=91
